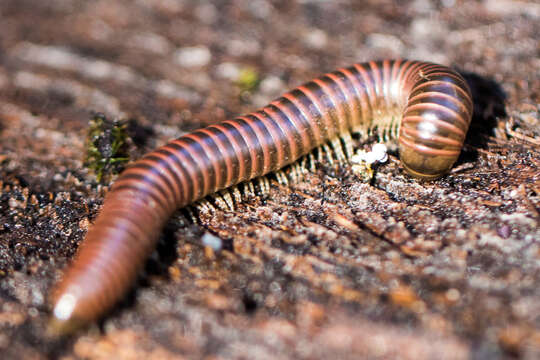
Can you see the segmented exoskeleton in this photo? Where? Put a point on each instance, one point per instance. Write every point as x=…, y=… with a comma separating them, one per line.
x=428, y=105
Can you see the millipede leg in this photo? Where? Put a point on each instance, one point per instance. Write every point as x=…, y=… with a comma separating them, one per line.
x=281, y=178
x=291, y=174
x=194, y=219
x=297, y=172
x=338, y=149
x=325, y=149
x=311, y=162
x=205, y=206
x=347, y=140
x=249, y=189
x=236, y=194
x=218, y=201
x=302, y=166
x=264, y=185
x=226, y=195
x=395, y=126
x=383, y=129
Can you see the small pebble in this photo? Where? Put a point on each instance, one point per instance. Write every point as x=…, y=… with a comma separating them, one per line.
x=316, y=39
x=272, y=85
x=228, y=70
x=453, y=294
x=212, y=241
x=189, y=57
x=504, y=231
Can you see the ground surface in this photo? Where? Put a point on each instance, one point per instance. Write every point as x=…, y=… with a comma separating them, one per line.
x=328, y=267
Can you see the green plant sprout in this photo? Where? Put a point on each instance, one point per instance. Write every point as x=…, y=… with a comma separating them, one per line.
x=107, y=147
x=248, y=79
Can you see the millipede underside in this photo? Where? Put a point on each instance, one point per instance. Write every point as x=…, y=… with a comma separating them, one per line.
x=384, y=129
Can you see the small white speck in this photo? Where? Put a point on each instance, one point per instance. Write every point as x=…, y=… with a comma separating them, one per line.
x=212, y=241
x=378, y=153
x=453, y=294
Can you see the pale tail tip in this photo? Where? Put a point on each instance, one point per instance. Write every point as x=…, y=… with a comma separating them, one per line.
x=62, y=321
x=63, y=309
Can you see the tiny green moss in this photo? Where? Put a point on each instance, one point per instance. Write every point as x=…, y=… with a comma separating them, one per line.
x=248, y=79
x=107, y=147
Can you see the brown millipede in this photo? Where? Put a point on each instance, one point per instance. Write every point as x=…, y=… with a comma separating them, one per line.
x=429, y=105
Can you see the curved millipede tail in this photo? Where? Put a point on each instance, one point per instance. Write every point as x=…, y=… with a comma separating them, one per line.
x=428, y=105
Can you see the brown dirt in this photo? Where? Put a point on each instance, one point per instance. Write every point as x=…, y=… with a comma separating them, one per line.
x=328, y=267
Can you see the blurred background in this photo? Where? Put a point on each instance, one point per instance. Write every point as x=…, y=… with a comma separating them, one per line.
x=171, y=66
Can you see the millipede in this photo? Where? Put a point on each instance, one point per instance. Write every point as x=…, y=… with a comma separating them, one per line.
x=426, y=106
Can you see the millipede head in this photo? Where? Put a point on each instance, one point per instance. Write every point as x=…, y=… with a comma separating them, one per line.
x=434, y=124
x=425, y=166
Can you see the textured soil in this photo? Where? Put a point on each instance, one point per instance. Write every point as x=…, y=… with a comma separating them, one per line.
x=325, y=267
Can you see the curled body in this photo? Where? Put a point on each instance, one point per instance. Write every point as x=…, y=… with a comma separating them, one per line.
x=426, y=106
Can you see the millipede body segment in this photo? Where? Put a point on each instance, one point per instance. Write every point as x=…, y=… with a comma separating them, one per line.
x=428, y=107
